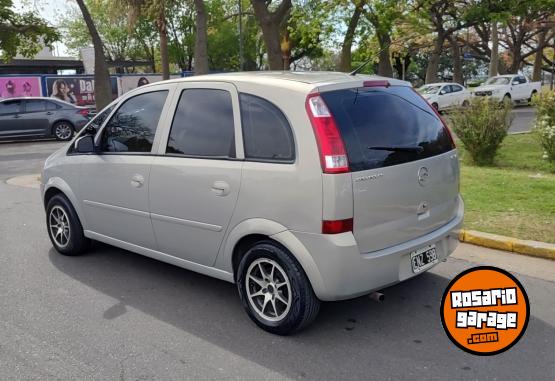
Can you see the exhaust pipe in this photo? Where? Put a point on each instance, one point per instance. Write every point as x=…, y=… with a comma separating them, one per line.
x=376, y=296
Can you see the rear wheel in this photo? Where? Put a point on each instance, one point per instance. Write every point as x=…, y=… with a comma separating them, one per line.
x=534, y=92
x=465, y=103
x=274, y=289
x=436, y=106
x=507, y=101
x=63, y=131
x=64, y=228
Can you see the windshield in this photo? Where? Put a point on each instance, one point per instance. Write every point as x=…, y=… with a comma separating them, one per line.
x=498, y=81
x=429, y=89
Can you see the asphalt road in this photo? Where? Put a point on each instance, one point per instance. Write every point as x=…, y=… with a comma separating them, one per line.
x=523, y=119
x=115, y=315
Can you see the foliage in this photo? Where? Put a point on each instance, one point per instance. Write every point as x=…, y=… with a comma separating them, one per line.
x=544, y=126
x=23, y=33
x=481, y=127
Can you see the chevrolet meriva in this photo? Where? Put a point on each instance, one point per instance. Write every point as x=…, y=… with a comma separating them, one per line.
x=297, y=187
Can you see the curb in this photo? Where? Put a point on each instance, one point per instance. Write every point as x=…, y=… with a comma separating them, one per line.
x=515, y=245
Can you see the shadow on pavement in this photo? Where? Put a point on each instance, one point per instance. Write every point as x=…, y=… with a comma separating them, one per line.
x=350, y=339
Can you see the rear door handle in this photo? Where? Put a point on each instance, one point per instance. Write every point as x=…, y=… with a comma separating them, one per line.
x=137, y=181
x=49, y=113
x=221, y=188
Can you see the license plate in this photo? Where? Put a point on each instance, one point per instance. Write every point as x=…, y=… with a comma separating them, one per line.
x=424, y=258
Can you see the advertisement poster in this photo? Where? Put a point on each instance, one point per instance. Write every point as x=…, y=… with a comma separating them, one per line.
x=76, y=90
x=11, y=87
x=131, y=82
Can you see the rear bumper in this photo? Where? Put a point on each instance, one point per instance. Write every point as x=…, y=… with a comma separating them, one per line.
x=342, y=272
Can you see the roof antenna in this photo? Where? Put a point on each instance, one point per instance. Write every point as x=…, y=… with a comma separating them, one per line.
x=358, y=69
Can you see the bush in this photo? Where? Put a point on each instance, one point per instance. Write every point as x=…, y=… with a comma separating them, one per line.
x=544, y=126
x=481, y=127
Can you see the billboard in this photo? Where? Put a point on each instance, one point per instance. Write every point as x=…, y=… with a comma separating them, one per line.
x=11, y=87
x=76, y=90
x=130, y=82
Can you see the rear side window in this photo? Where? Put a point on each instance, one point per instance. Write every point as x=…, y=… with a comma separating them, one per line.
x=50, y=106
x=377, y=123
x=266, y=132
x=133, y=125
x=203, y=125
x=35, y=106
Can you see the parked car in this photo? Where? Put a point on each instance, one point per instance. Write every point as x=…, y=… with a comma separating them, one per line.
x=508, y=88
x=444, y=96
x=40, y=117
x=297, y=187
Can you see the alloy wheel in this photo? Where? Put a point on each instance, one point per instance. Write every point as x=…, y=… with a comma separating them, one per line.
x=59, y=226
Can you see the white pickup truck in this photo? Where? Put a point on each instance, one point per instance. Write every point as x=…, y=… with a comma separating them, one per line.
x=508, y=88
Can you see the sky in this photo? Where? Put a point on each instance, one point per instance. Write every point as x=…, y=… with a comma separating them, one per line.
x=50, y=10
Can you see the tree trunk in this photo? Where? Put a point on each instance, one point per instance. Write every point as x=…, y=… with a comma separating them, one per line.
x=538, y=59
x=457, y=61
x=285, y=47
x=201, y=39
x=102, y=85
x=384, y=63
x=494, y=58
x=433, y=62
x=270, y=23
x=345, y=62
x=163, y=31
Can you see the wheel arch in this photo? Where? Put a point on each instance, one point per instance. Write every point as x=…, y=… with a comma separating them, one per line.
x=54, y=186
x=248, y=232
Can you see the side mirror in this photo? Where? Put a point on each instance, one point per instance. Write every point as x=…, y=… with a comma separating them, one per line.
x=85, y=144
x=442, y=92
x=516, y=82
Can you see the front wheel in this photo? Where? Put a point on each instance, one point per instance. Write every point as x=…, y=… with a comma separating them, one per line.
x=63, y=131
x=274, y=289
x=64, y=228
x=507, y=101
x=465, y=103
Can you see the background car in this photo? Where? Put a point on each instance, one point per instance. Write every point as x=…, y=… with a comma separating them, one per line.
x=444, y=96
x=40, y=117
x=508, y=88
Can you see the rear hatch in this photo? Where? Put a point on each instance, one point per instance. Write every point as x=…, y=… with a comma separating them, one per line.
x=403, y=164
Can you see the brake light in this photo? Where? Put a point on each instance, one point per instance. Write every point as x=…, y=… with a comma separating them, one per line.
x=84, y=112
x=376, y=83
x=337, y=226
x=333, y=155
x=440, y=118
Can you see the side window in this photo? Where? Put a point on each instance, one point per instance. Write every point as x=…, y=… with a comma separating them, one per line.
x=35, y=106
x=101, y=117
x=455, y=88
x=10, y=107
x=133, y=126
x=446, y=89
x=203, y=124
x=521, y=79
x=51, y=106
x=266, y=132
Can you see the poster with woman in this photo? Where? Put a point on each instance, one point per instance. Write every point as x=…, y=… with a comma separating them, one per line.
x=76, y=90
x=11, y=87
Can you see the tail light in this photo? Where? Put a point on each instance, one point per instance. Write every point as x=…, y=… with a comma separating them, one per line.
x=333, y=155
x=84, y=112
x=337, y=226
x=440, y=118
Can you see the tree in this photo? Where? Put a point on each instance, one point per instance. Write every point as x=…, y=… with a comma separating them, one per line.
x=346, y=46
x=22, y=33
x=102, y=85
x=271, y=18
x=201, y=39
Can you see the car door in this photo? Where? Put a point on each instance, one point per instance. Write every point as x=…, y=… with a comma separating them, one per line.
x=444, y=97
x=114, y=183
x=195, y=179
x=10, y=113
x=34, y=117
x=457, y=95
x=517, y=87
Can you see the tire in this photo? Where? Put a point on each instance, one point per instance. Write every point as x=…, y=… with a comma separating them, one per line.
x=281, y=308
x=63, y=131
x=64, y=228
x=436, y=106
x=532, y=96
x=465, y=103
x=507, y=100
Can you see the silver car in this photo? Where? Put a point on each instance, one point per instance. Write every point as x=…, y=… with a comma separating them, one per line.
x=297, y=187
x=29, y=117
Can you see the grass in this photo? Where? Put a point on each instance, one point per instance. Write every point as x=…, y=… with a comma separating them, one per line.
x=516, y=197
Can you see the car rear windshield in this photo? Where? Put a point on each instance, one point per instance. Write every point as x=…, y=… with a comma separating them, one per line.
x=386, y=126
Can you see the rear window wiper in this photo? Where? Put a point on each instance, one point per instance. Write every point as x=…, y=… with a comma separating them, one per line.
x=416, y=149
